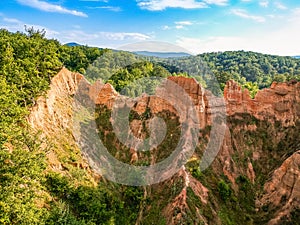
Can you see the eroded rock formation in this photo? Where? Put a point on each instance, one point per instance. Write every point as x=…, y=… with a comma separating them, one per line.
x=53, y=115
x=280, y=101
x=276, y=109
x=282, y=192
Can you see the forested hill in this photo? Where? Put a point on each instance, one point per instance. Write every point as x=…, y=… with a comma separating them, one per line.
x=251, y=70
x=255, y=67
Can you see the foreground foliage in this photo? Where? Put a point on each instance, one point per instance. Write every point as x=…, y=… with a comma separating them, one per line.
x=29, y=193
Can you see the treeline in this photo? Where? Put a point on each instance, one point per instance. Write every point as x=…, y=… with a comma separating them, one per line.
x=253, y=67
x=251, y=70
x=130, y=74
x=29, y=61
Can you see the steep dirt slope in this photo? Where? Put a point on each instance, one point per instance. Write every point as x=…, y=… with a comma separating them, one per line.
x=53, y=116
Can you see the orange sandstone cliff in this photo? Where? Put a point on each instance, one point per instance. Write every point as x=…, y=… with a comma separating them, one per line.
x=260, y=144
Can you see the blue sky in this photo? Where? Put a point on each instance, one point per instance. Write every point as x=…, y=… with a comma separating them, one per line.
x=197, y=25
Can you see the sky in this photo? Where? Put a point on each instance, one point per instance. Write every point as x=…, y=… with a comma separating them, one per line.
x=197, y=26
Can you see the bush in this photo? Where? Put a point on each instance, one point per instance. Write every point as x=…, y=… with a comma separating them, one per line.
x=224, y=190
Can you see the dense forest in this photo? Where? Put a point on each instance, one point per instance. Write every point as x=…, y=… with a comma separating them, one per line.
x=259, y=68
x=32, y=194
x=251, y=70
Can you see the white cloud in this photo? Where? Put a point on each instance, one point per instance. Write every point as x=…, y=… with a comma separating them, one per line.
x=264, y=4
x=11, y=20
x=93, y=0
x=101, y=39
x=49, y=7
x=110, y=8
x=166, y=27
x=279, y=5
x=184, y=23
x=124, y=36
x=280, y=40
x=217, y=2
x=211, y=44
x=296, y=14
x=244, y=14
x=98, y=38
x=14, y=25
x=157, y=5
x=178, y=27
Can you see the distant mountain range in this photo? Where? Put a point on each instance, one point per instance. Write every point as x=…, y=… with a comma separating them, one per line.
x=163, y=54
x=157, y=54
x=72, y=44
x=148, y=53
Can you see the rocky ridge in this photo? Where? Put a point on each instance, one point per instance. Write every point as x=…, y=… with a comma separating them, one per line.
x=278, y=106
x=279, y=102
